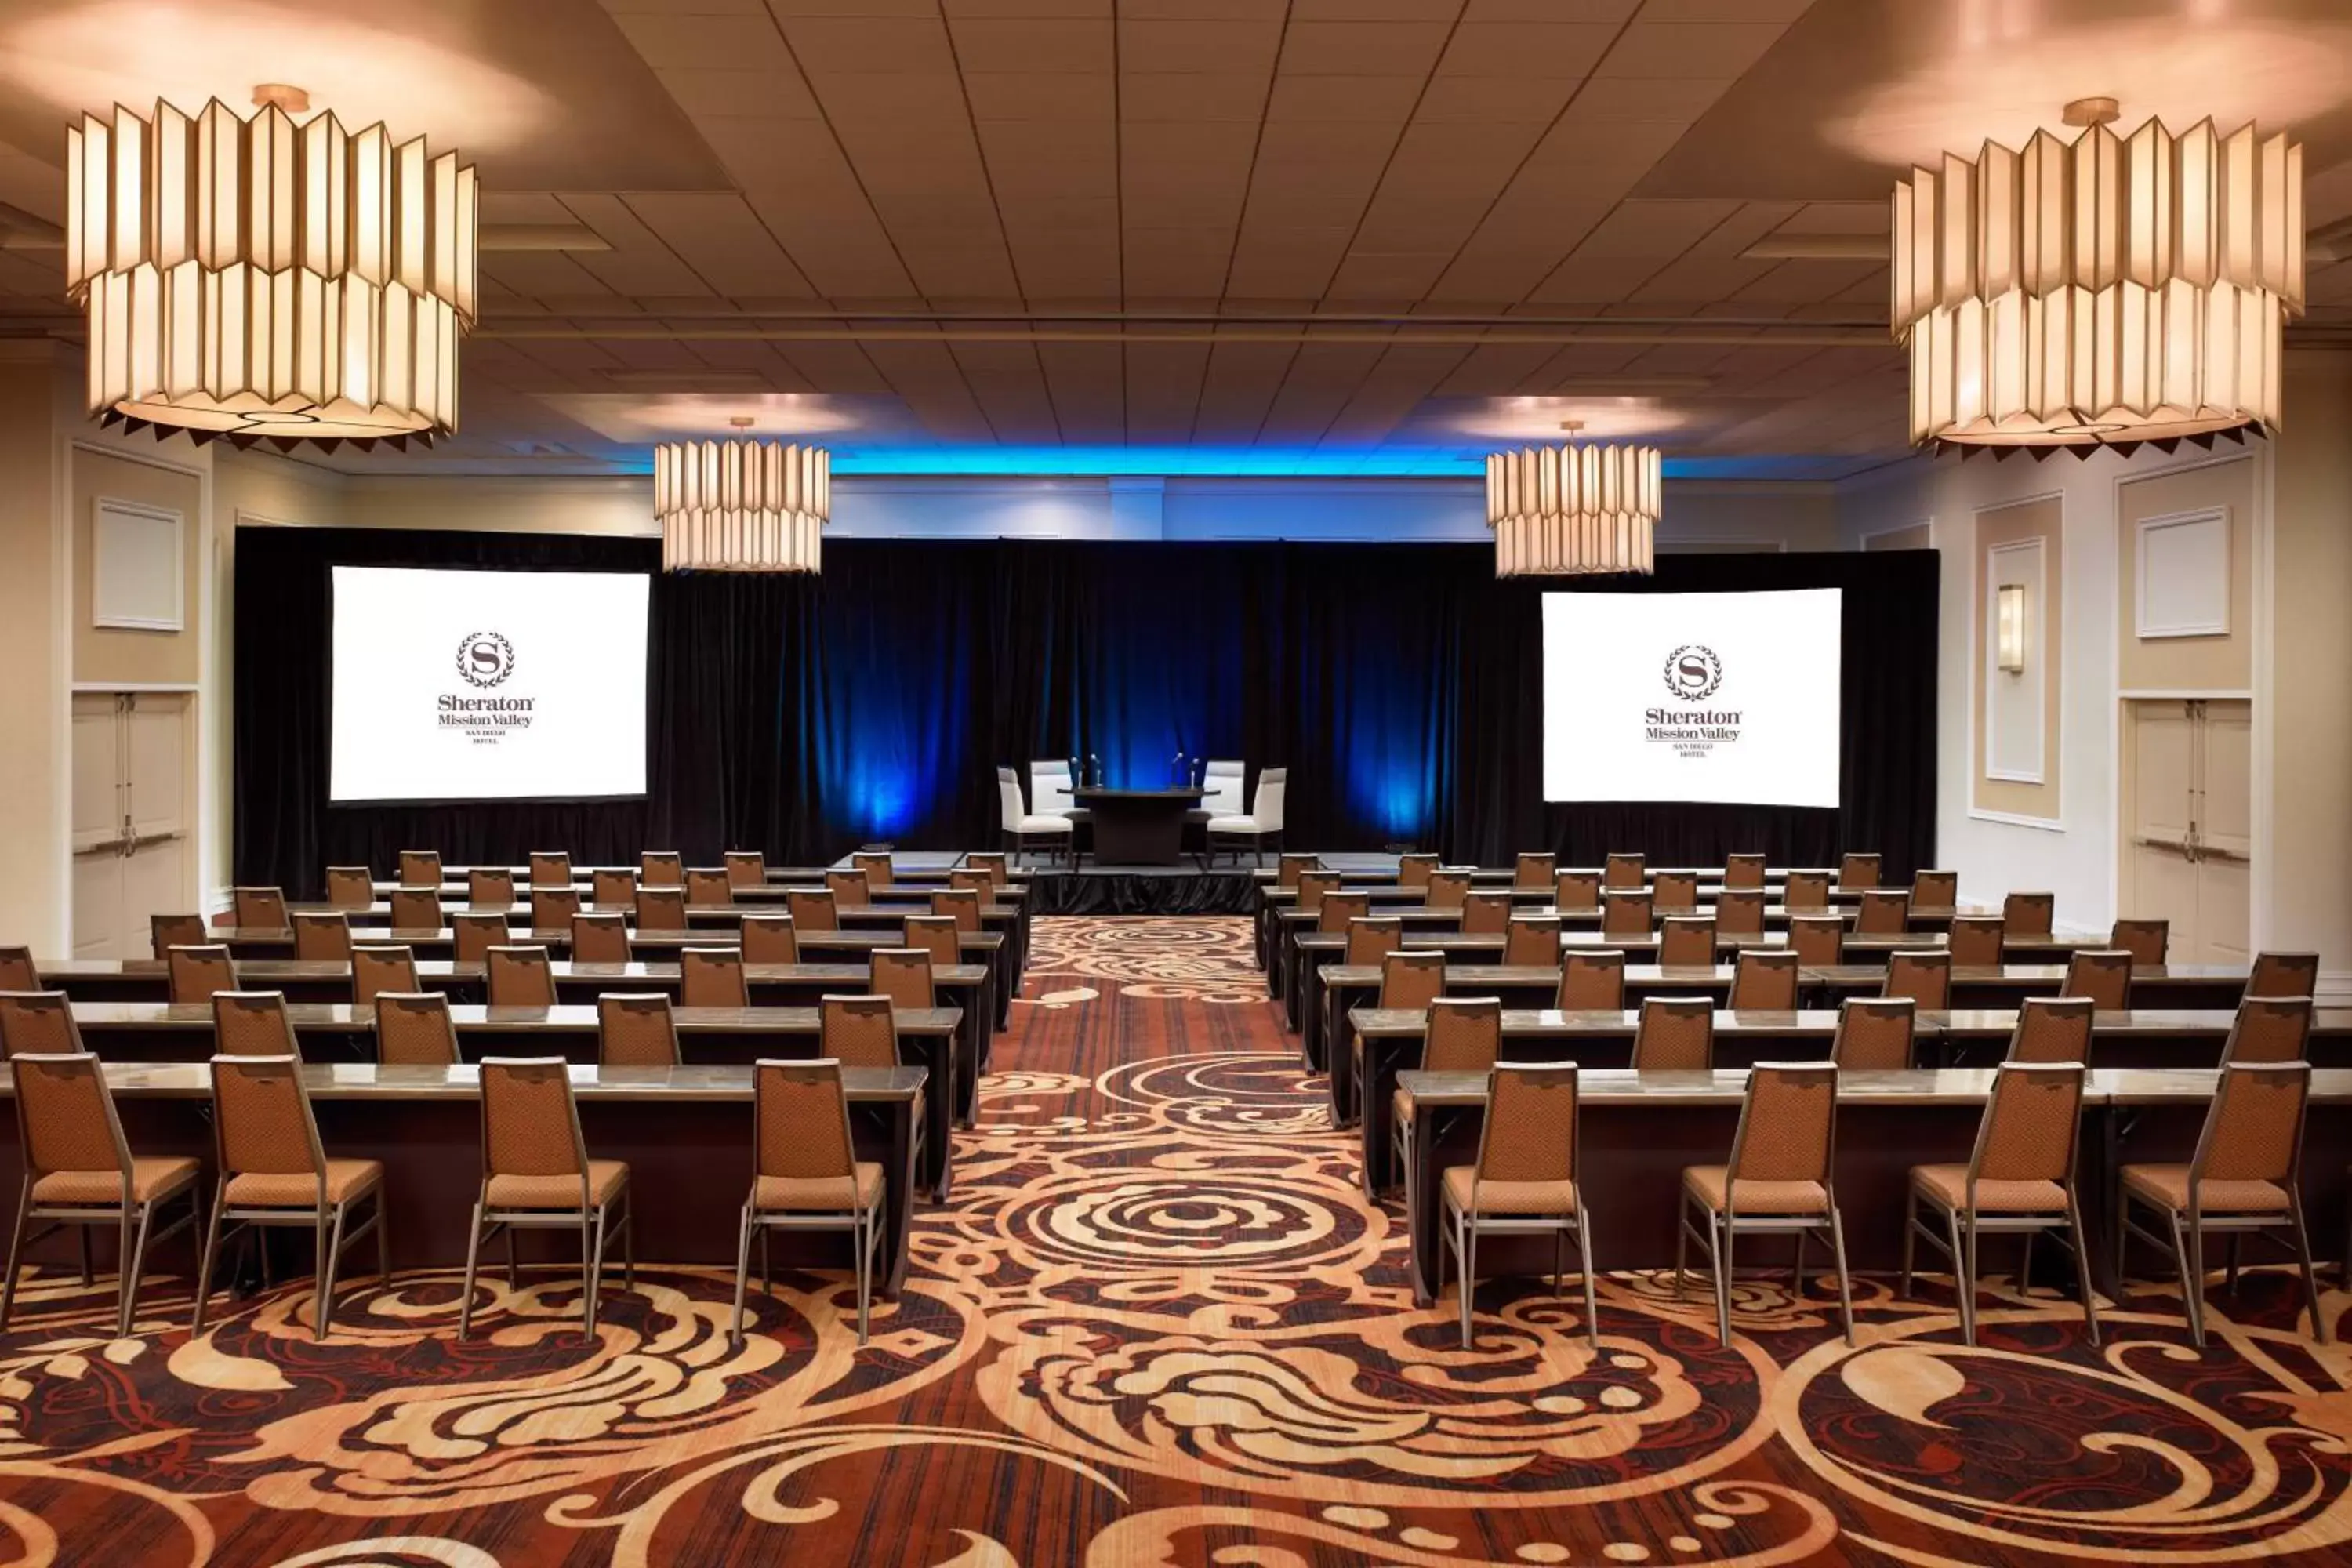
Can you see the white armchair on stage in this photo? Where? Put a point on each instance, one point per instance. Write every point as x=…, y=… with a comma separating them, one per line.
x=1261, y=827
x=1024, y=829
x=1049, y=788
x=1221, y=785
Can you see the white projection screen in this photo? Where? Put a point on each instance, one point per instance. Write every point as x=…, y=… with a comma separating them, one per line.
x=453, y=686
x=1719, y=698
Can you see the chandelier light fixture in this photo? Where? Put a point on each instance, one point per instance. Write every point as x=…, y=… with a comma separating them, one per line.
x=268, y=279
x=1573, y=511
x=741, y=505
x=2108, y=291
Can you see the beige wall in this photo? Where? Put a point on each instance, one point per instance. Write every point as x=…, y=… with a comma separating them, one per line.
x=33, y=827
x=2020, y=543
x=116, y=654
x=2223, y=663
x=1918, y=536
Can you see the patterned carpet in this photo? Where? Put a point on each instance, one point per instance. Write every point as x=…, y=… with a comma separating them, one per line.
x=1160, y=1324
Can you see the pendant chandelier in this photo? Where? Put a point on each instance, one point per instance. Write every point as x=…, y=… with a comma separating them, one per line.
x=741, y=505
x=1573, y=511
x=268, y=280
x=2106, y=292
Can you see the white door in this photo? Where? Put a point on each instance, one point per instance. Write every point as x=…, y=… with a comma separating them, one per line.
x=129, y=818
x=101, y=829
x=2188, y=845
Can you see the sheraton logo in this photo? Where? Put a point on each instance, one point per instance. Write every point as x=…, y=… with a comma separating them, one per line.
x=1692, y=673
x=484, y=659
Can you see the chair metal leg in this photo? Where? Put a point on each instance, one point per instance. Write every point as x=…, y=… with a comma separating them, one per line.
x=742, y=1268
x=1796, y=1272
x=2025, y=1265
x=1963, y=1280
x=1969, y=1231
x=473, y=1259
x=2188, y=1253
x=135, y=1260
x=767, y=1271
x=1584, y=1262
x=1469, y=1273
x=1559, y=1261
x=2302, y=1256
x=1845, y=1283
x=205, y=1259
x=628, y=1242
x=124, y=1220
x=331, y=1255
x=2079, y=1243
x=1682, y=1251
x=514, y=1277
x=82, y=1235
x=595, y=1270
x=1462, y=1260
x=2230, y=1283
x=16, y=1248
x=383, y=1243
x=1910, y=1237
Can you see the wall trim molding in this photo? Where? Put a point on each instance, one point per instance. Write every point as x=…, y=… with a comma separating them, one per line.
x=2184, y=694
x=2016, y=819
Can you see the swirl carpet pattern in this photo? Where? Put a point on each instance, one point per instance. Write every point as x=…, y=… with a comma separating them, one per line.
x=1159, y=1323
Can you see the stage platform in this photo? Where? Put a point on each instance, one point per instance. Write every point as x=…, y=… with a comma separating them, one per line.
x=1093, y=890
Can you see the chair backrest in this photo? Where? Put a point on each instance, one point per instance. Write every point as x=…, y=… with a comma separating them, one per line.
x=379, y=967
x=1485, y=914
x=485, y=885
x=1676, y=1034
x=1924, y=978
x=1675, y=891
x=801, y=1123
x=200, y=971
x=1530, y=1131
x=415, y=909
x=550, y=868
x=1221, y=782
x=2254, y=1132
x=2052, y=1029
x=2032, y=1123
x=1532, y=942
x=1337, y=908
x=938, y=935
x=636, y=1029
x=1820, y=939
x=711, y=885
x=65, y=1116
x=1591, y=980
x=1788, y=1126
x=531, y=1124
x=1370, y=941
x=1533, y=871
x=1739, y=911
x=1976, y=941
x=165, y=933
x=1576, y=891
x=983, y=880
x=858, y=1031
x=552, y=908
x=252, y=1024
x=413, y=1028
x=749, y=867
x=812, y=910
x=1875, y=1034
x=1743, y=871
x=2269, y=1029
x=1934, y=889
x=2145, y=940
x=1465, y=1033
x=770, y=939
x=1265, y=808
x=36, y=1023
x=661, y=908
x=1686, y=941
x=661, y=869
x=904, y=975
x=1411, y=980
x=1805, y=890
x=1447, y=890
x=1049, y=786
x=259, y=908
x=2029, y=914
x=1883, y=914
x=261, y=1117
x=712, y=977
x=875, y=864
x=1626, y=912
x=600, y=938
x=960, y=905
x=1622, y=871
x=323, y=936
x=611, y=888
x=420, y=869
x=351, y=887
x=2103, y=974
x=520, y=977
x=1858, y=870
x=471, y=935
x=2283, y=974
x=848, y=887
x=1765, y=982
x=1415, y=870
x=1290, y=868
x=1009, y=809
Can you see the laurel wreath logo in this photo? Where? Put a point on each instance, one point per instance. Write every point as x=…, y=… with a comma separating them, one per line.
x=1714, y=672
x=476, y=677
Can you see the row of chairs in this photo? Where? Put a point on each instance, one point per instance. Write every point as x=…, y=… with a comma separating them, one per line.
x=2244, y=1178
x=552, y=867
x=353, y=888
x=274, y=1172
x=1535, y=870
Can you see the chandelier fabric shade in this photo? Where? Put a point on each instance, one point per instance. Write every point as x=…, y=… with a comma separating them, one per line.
x=263, y=279
x=2111, y=290
x=741, y=506
x=1573, y=511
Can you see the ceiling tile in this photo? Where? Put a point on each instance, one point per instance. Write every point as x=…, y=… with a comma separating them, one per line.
x=1210, y=46
x=1040, y=95
x=1362, y=48
x=879, y=44
x=1192, y=98
x=765, y=92
x=1671, y=49
x=1525, y=48
x=1043, y=46
x=1378, y=100
x=683, y=43
x=724, y=242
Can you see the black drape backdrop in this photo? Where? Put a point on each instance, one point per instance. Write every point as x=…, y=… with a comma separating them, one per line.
x=1400, y=684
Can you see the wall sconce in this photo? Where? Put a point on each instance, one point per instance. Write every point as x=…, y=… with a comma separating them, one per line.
x=2010, y=627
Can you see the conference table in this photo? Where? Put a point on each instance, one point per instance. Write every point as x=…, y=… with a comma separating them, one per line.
x=685, y=1131
x=707, y=1036
x=1637, y=1131
x=1138, y=826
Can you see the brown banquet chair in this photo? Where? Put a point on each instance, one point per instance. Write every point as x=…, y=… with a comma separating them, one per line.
x=537, y=1173
x=1882, y=913
x=880, y=871
x=1447, y=890
x=1685, y=941
x=2029, y=914
x=2103, y=974
x=1778, y=1181
x=18, y=971
x=983, y=880
x=806, y=1175
x=1743, y=871
x=322, y=937
x=1624, y=913
x=636, y=1029
x=491, y=887
x=1464, y=1034
x=1975, y=942
x=904, y=975
x=661, y=869
x=938, y=935
x=849, y=888
x=610, y=889
x=550, y=868
x=1371, y=941
x=420, y=869
x=1622, y=871
x=413, y=1028
x=2145, y=940
x=1934, y=889
x=1414, y=870
x=379, y=967
x=749, y=867
x=709, y=885
x=79, y=1171
x=473, y=935
x=1675, y=891
x=1575, y=892
x=812, y=910
x=2270, y=1029
x=519, y=977
x=1765, y=981
x=1857, y=870
x=1411, y=980
x=39, y=1023
x=1337, y=908
x=661, y=908
x=200, y=971
x=552, y=909
x=1875, y=1034
x=165, y=933
x=1486, y=914
x=1739, y=911
x=1289, y=866
x=2052, y=1029
x=253, y=1024
x=770, y=939
x=1532, y=942
x=1675, y=1034
x=351, y=887
x=1819, y=940
x=1523, y=1184
x=963, y=904
x=1923, y=978
x=600, y=938
x=415, y=909
x=1591, y=980
x=712, y=977
x=2283, y=974
x=1805, y=890
x=259, y=908
x=1533, y=871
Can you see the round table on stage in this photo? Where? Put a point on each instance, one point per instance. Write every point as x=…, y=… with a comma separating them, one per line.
x=1139, y=827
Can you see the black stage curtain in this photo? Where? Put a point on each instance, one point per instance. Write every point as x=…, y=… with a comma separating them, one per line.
x=1400, y=684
